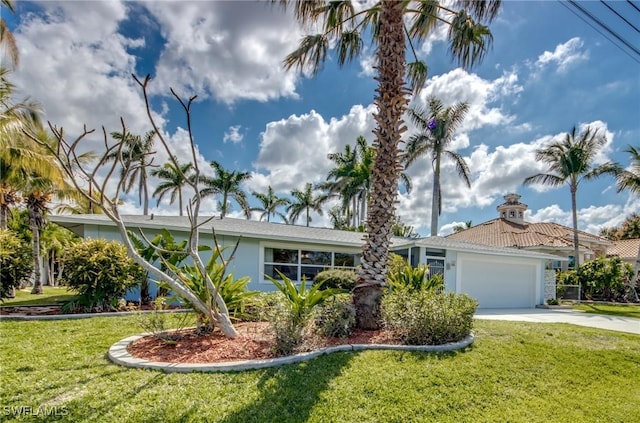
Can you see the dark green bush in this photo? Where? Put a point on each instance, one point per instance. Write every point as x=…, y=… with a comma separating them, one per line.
x=335, y=318
x=426, y=317
x=16, y=262
x=101, y=272
x=604, y=278
x=336, y=278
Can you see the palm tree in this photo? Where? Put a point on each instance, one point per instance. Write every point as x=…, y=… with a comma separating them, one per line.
x=344, y=26
x=175, y=178
x=226, y=183
x=305, y=202
x=629, y=179
x=570, y=162
x=437, y=127
x=135, y=160
x=269, y=204
x=18, y=155
x=7, y=41
x=459, y=228
x=351, y=179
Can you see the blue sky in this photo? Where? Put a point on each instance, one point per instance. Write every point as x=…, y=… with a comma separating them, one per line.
x=547, y=71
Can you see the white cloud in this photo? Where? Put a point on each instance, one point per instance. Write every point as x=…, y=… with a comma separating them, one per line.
x=227, y=50
x=564, y=56
x=460, y=86
x=233, y=135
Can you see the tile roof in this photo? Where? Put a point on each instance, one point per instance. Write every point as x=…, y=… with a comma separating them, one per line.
x=503, y=233
x=625, y=248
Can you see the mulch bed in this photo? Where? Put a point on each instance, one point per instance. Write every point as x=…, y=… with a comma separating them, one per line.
x=253, y=342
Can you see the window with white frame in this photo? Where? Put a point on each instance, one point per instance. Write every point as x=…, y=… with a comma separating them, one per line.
x=306, y=263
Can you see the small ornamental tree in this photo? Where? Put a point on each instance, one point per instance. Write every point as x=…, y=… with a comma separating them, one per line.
x=16, y=262
x=110, y=174
x=101, y=272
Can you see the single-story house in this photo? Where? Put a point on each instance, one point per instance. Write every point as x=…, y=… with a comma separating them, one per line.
x=510, y=229
x=498, y=277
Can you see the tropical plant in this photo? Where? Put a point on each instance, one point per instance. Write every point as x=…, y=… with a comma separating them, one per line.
x=416, y=278
x=629, y=179
x=233, y=291
x=19, y=157
x=458, y=228
x=300, y=299
x=570, y=162
x=437, y=127
x=269, y=204
x=7, y=40
x=305, y=202
x=16, y=263
x=630, y=229
x=174, y=178
x=344, y=26
x=55, y=241
x=291, y=315
x=227, y=184
x=100, y=271
x=403, y=230
x=161, y=250
x=134, y=157
x=350, y=180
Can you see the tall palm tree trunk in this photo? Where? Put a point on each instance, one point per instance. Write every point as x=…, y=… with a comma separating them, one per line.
x=37, y=273
x=180, y=200
x=391, y=101
x=435, y=198
x=574, y=215
x=145, y=193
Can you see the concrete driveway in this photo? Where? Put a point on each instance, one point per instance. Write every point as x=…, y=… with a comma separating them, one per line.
x=541, y=315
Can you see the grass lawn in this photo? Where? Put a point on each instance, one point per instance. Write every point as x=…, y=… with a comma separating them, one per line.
x=515, y=371
x=52, y=295
x=626, y=310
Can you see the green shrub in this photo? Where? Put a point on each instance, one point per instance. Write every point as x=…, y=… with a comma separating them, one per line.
x=335, y=318
x=287, y=329
x=16, y=262
x=604, y=278
x=426, y=317
x=291, y=315
x=336, y=278
x=100, y=272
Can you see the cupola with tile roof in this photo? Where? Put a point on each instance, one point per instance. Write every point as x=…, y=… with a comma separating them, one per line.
x=512, y=209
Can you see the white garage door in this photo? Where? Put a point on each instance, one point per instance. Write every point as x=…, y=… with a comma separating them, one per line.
x=498, y=283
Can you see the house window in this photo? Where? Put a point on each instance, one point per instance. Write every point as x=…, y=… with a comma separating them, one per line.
x=435, y=261
x=512, y=213
x=297, y=264
x=572, y=262
x=520, y=215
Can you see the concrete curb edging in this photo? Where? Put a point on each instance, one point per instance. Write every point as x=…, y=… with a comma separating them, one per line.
x=86, y=315
x=119, y=355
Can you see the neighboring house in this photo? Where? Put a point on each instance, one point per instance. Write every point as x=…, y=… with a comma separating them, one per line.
x=510, y=230
x=626, y=249
x=495, y=276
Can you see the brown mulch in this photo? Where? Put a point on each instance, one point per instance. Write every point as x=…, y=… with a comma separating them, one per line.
x=253, y=342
